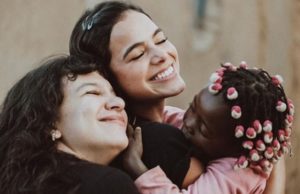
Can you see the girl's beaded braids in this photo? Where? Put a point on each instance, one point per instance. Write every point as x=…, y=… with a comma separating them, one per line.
x=262, y=112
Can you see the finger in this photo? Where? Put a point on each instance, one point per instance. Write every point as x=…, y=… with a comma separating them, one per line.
x=130, y=131
x=138, y=134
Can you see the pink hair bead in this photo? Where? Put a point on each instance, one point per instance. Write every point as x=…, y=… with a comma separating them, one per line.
x=236, y=112
x=281, y=106
x=232, y=94
x=254, y=156
x=268, y=137
x=242, y=162
x=281, y=135
x=260, y=146
x=214, y=88
x=277, y=79
x=250, y=133
x=289, y=120
x=267, y=126
x=257, y=126
x=243, y=65
x=239, y=131
x=215, y=78
x=248, y=145
x=276, y=145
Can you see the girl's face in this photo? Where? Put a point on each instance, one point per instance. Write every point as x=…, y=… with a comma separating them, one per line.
x=92, y=118
x=144, y=62
x=209, y=126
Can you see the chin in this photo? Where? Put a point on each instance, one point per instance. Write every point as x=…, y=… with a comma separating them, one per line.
x=122, y=144
x=178, y=89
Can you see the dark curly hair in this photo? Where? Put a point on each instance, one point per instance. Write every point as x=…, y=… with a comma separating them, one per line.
x=29, y=160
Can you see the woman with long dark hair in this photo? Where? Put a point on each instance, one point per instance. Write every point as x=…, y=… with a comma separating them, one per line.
x=60, y=127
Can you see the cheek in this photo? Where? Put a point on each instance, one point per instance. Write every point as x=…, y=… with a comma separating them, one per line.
x=130, y=77
x=172, y=51
x=86, y=110
x=190, y=120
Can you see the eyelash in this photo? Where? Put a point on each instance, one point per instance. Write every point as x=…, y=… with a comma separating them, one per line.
x=162, y=41
x=93, y=92
x=140, y=55
x=137, y=57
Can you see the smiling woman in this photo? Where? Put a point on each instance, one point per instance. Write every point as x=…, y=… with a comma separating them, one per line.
x=89, y=109
x=60, y=126
x=139, y=46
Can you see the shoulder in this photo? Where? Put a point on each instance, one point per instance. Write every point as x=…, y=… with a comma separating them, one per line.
x=161, y=136
x=221, y=172
x=103, y=179
x=173, y=116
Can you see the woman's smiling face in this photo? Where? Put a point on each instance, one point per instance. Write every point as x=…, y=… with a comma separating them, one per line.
x=92, y=118
x=143, y=61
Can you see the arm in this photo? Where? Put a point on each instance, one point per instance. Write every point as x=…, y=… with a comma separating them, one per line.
x=196, y=169
x=276, y=182
x=173, y=116
x=220, y=178
x=135, y=166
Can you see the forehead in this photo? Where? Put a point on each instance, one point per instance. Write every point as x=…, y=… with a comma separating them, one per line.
x=210, y=103
x=212, y=109
x=132, y=27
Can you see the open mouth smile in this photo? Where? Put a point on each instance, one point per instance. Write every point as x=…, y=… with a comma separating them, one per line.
x=164, y=74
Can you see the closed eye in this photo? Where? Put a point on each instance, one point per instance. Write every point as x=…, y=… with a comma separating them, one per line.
x=162, y=41
x=137, y=57
x=93, y=92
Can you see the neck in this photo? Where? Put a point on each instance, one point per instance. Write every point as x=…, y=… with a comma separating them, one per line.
x=103, y=157
x=152, y=111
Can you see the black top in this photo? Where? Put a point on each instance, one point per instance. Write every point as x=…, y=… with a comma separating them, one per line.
x=64, y=173
x=97, y=179
x=166, y=146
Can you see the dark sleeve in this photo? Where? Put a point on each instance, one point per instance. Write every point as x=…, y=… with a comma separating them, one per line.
x=166, y=146
x=96, y=179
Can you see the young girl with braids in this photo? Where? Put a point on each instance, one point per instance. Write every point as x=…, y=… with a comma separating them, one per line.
x=243, y=118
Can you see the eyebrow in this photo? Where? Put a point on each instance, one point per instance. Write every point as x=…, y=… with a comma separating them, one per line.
x=95, y=85
x=139, y=43
x=86, y=84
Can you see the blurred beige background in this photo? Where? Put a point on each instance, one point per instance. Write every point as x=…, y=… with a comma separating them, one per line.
x=265, y=33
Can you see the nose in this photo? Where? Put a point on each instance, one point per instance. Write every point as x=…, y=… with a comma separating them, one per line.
x=159, y=55
x=115, y=103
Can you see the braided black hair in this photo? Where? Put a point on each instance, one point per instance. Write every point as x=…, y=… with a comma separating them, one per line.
x=258, y=96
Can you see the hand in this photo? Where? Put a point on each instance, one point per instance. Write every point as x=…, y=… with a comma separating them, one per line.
x=132, y=156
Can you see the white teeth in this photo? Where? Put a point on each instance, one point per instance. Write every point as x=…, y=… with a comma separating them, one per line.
x=164, y=74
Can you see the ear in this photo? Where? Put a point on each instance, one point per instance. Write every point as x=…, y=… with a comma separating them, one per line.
x=55, y=134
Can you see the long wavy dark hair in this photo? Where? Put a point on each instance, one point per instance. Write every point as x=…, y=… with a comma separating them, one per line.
x=29, y=160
